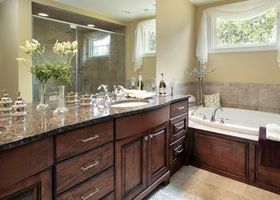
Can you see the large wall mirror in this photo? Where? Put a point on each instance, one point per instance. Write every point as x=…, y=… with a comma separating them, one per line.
x=116, y=42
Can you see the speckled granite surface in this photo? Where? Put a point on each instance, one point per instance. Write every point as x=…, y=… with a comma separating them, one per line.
x=38, y=125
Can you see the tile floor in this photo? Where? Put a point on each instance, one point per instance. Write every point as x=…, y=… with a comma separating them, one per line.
x=191, y=183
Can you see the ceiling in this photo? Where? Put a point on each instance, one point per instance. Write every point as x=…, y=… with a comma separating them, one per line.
x=125, y=10
x=204, y=2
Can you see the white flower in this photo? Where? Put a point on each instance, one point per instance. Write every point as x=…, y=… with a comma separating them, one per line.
x=65, y=47
x=30, y=47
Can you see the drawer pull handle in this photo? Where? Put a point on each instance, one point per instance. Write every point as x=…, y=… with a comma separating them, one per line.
x=181, y=108
x=179, y=150
x=90, y=195
x=179, y=126
x=90, y=166
x=89, y=139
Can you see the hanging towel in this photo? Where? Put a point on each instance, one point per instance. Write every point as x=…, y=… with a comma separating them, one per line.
x=273, y=132
x=269, y=150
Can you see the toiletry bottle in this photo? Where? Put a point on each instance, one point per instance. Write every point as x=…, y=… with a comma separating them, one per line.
x=162, y=87
x=140, y=83
x=172, y=87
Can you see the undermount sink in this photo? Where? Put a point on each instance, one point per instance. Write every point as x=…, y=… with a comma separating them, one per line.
x=2, y=129
x=129, y=104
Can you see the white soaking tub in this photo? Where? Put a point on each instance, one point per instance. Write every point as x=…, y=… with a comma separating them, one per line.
x=237, y=122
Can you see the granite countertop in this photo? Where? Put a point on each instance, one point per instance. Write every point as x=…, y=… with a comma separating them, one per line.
x=39, y=125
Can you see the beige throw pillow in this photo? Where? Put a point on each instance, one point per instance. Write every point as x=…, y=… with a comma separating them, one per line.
x=212, y=100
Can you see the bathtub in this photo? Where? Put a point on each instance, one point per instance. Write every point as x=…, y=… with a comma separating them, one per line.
x=237, y=122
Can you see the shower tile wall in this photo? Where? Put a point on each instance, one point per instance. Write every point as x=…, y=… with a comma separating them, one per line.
x=94, y=71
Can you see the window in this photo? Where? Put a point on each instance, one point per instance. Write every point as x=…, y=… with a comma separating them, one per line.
x=149, y=37
x=99, y=46
x=259, y=32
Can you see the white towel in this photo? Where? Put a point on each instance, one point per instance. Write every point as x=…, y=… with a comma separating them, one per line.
x=140, y=94
x=273, y=132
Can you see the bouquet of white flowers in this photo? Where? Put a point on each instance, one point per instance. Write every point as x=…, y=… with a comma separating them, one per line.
x=45, y=65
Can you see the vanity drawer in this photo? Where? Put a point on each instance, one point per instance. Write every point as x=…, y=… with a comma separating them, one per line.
x=93, y=189
x=83, y=139
x=141, y=123
x=178, y=108
x=178, y=127
x=82, y=167
x=177, y=151
x=25, y=161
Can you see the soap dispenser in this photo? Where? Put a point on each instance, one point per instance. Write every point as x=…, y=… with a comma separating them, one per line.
x=19, y=107
x=5, y=104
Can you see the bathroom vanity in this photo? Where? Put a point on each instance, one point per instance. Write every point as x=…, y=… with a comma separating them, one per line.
x=124, y=153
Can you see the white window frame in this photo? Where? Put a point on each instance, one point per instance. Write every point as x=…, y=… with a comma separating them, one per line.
x=270, y=46
x=148, y=53
x=91, y=48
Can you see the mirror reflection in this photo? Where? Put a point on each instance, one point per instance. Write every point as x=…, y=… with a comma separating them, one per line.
x=116, y=43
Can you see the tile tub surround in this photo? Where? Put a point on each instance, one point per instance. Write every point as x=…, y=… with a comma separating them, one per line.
x=252, y=96
x=191, y=183
x=39, y=125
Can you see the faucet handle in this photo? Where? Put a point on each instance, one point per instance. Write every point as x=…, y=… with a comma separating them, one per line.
x=203, y=116
x=222, y=121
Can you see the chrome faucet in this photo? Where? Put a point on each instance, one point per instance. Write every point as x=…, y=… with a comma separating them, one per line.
x=119, y=91
x=105, y=90
x=213, y=117
x=104, y=87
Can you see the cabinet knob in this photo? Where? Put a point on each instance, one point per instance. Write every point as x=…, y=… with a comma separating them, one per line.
x=151, y=136
x=146, y=138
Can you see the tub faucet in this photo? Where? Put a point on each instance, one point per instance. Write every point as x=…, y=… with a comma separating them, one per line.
x=213, y=117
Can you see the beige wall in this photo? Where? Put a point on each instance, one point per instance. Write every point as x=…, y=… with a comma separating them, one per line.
x=86, y=12
x=176, y=32
x=15, y=20
x=244, y=67
x=148, y=70
x=24, y=32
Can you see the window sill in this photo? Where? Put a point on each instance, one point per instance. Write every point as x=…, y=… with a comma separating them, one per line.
x=150, y=54
x=243, y=49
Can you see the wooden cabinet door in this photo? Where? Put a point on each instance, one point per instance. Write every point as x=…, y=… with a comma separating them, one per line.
x=36, y=187
x=131, y=167
x=158, y=153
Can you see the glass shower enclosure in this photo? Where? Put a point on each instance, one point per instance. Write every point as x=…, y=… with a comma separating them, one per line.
x=100, y=58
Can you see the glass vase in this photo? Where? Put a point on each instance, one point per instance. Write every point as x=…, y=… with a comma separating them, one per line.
x=61, y=101
x=200, y=91
x=42, y=106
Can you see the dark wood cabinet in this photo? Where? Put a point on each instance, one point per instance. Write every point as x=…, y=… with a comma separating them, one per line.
x=131, y=166
x=141, y=158
x=36, y=187
x=158, y=153
x=266, y=177
x=25, y=171
x=222, y=154
x=179, y=144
